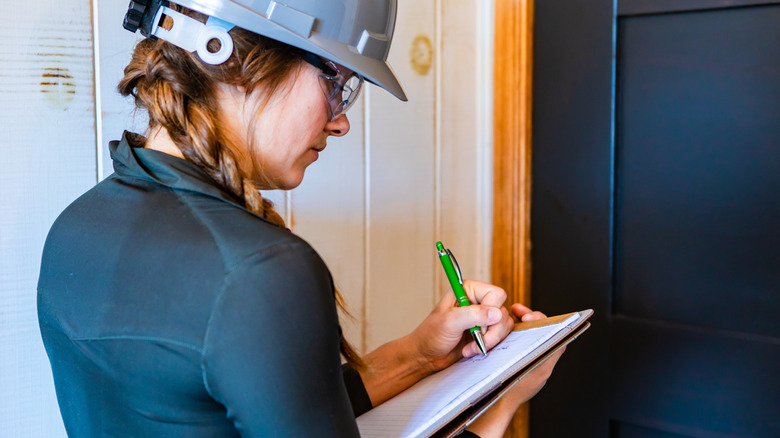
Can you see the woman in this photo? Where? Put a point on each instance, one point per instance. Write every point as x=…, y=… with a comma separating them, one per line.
x=172, y=300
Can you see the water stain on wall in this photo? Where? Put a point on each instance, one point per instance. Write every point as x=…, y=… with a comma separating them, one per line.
x=421, y=54
x=58, y=86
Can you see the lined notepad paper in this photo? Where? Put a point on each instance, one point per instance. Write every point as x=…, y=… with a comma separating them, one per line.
x=423, y=408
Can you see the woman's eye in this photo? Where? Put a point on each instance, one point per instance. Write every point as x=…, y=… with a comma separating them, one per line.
x=330, y=86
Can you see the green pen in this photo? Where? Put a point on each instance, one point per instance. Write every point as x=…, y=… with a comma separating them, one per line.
x=452, y=270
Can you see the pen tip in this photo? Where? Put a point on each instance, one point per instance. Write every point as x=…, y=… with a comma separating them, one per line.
x=480, y=342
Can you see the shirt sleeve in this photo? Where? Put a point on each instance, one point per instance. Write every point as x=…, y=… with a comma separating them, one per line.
x=271, y=351
x=358, y=396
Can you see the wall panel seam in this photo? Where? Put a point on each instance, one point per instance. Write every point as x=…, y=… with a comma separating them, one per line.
x=364, y=313
x=437, y=146
x=99, y=164
x=484, y=158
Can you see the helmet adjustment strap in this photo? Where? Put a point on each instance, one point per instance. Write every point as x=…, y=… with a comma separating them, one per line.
x=148, y=16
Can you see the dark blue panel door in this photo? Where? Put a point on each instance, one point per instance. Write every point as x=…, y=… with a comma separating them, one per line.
x=657, y=199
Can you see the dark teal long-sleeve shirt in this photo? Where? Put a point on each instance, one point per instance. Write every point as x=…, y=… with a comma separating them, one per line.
x=167, y=309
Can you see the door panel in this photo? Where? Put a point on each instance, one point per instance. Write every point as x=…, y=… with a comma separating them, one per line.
x=696, y=382
x=697, y=168
x=679, y=178
x=571, y=206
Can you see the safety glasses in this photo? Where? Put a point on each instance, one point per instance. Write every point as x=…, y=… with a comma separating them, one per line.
x=340, y=84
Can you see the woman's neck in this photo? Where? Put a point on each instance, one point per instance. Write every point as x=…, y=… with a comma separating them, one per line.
x=159, y=140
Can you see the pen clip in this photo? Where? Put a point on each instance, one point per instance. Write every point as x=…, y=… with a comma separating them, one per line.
x=457, y=267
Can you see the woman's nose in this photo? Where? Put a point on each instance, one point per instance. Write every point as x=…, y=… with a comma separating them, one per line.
x=338, y=126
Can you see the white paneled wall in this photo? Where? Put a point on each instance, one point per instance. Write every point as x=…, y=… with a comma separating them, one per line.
x=47, y=135
x=402, y=173
x=406, y=175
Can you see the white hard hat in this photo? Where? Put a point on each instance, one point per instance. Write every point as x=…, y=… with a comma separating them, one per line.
x=353, y=33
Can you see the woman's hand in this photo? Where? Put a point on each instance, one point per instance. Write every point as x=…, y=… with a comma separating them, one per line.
x=496, y=419
x=443, y=337
x=439, y=341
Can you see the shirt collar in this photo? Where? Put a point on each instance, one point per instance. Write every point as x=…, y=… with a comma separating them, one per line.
x=131, y=159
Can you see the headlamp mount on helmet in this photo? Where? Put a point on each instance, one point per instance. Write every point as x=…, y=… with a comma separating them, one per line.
x=140, y=14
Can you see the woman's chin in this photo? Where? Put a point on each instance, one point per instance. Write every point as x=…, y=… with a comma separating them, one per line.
x=291, y=182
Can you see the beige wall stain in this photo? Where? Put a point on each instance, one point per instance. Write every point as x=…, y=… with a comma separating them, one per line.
x=421, y=54
x=58, y=86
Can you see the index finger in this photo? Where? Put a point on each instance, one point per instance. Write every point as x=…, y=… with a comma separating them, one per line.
x=484, y=293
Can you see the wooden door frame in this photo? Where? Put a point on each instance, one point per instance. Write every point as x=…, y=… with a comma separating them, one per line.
x=512, y=159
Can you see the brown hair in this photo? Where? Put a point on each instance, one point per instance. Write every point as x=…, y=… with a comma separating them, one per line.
x=179, y=92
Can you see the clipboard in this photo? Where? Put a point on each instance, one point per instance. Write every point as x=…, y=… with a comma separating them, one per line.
x=462, y=420
x=451, y=415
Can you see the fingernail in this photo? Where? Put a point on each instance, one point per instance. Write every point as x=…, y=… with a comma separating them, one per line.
x=494, y=315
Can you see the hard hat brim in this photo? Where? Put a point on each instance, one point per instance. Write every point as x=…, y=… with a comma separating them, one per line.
x=376, y=71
